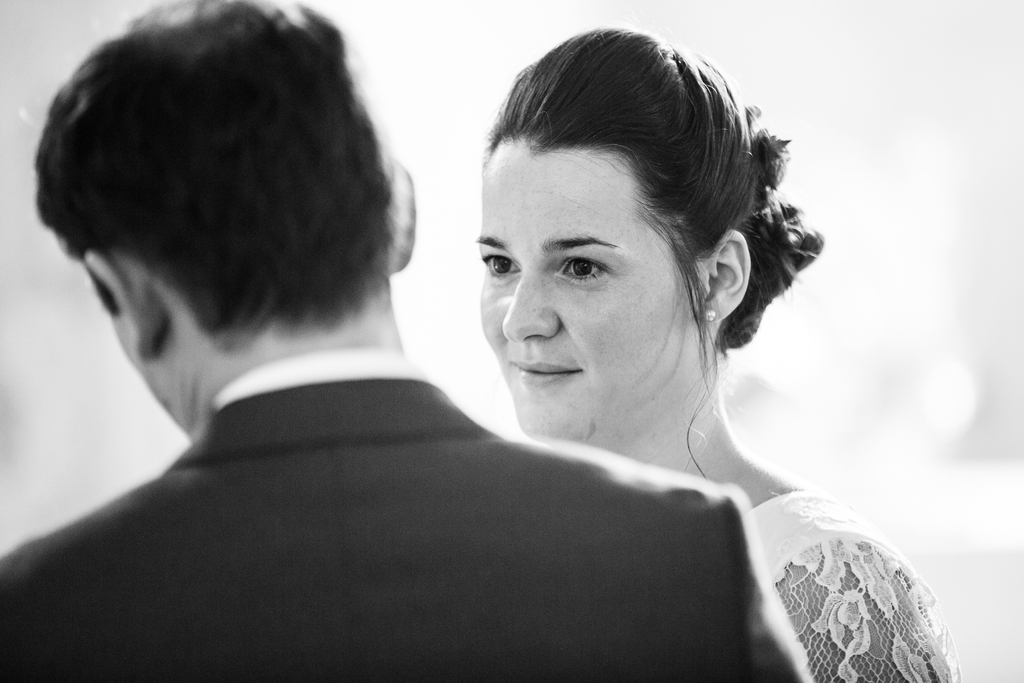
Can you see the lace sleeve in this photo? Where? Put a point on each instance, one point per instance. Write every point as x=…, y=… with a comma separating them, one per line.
x=861, y=617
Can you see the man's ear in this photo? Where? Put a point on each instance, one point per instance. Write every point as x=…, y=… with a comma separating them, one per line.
x=136, y=300
x=403, y=220
x=728, y=275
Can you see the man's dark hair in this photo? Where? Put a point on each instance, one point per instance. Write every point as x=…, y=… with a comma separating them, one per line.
x=223, y=144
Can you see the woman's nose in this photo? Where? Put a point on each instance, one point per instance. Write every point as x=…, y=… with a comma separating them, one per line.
x=531, y=313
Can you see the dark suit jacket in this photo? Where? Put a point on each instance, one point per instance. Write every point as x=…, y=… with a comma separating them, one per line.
x=368, y=530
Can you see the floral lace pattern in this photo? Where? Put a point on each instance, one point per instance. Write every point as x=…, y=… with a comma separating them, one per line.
x=862, y=615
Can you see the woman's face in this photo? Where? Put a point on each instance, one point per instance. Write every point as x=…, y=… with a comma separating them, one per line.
x=582, y=301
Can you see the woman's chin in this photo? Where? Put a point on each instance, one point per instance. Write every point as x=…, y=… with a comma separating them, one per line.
x=546, y=427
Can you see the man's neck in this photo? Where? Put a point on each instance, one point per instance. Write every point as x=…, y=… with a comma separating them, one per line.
x=204, y=374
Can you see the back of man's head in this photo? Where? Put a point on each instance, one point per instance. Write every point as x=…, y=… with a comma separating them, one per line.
x=222, y=143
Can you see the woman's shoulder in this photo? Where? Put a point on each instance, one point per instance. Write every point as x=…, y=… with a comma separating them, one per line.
x=789, y=524
x=854, y=600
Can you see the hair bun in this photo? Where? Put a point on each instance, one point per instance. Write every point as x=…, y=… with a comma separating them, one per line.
x=779, y=225
x=772, y=157
x=780, y=244
x=769, y=152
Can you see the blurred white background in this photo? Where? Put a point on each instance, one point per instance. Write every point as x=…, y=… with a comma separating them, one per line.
x=891, y=376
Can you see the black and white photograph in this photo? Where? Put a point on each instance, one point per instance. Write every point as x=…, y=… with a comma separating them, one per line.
x=551, y=340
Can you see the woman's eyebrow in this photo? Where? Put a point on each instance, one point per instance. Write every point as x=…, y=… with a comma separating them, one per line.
x=491, y=242
x=567, y=243
x=553, y=244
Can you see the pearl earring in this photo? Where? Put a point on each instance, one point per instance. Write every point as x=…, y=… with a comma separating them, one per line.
x=711, y=315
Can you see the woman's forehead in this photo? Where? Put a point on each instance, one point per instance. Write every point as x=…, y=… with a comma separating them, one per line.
x=568, y=191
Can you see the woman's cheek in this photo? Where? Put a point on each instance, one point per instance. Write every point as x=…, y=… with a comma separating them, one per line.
x=492, y=315
x=624, y=339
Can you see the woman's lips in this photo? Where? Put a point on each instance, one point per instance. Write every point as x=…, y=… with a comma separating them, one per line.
x=542, y=374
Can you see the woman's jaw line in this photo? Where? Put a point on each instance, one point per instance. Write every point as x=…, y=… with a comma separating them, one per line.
x=666, y=436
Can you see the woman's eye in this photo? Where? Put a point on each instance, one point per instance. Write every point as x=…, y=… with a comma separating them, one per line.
x=499, y=265
x=580, y=268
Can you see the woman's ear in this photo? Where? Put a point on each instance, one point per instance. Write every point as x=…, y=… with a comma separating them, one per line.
x=403, y=220
x=728, y=275
x=136, y=300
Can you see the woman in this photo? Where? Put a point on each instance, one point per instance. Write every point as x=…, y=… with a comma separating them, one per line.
x=633, y=234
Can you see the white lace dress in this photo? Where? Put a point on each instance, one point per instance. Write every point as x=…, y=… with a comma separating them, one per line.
x=858, y=607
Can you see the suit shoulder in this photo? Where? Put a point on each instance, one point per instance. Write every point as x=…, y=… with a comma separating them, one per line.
x=588, y=468
x=55, y=553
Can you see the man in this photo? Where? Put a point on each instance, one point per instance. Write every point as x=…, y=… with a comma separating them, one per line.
x=336, y=516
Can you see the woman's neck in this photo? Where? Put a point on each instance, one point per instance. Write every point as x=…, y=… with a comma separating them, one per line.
x=706, y=447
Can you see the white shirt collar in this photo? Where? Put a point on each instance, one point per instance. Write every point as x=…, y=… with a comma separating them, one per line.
x=317, y=368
